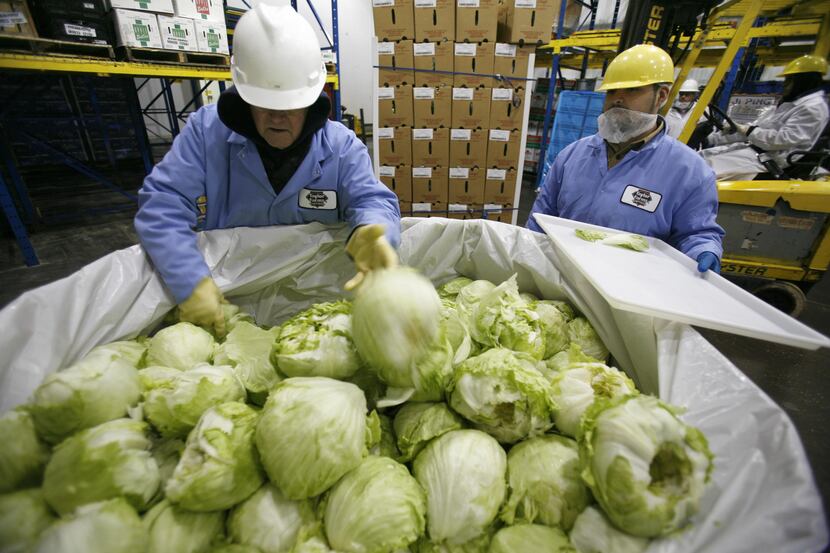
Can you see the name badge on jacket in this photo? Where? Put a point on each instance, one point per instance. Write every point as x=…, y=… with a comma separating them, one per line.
x=318, y=199
x=641, y=198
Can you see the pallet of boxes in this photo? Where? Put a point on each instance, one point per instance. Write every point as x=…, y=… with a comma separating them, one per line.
x=182, y=31
x=451, y=93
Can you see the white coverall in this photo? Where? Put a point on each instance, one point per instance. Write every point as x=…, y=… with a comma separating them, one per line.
x=676, y=120
x=790, y=126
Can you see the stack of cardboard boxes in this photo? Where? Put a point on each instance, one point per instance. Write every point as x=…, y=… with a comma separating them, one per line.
x=450, y=101
x=187, y=25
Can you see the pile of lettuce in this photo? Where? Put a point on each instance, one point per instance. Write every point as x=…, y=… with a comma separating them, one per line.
x=468, y=418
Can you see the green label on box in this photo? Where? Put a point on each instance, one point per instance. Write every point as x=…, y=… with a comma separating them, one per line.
x=178, y=32
x=142, y=32
x=213, y=40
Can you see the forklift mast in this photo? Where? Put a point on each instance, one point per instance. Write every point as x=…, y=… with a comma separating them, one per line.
x=656, y=21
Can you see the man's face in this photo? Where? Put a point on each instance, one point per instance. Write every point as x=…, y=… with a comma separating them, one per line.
x=687, y=96
x=642, y=98
x=279, y=128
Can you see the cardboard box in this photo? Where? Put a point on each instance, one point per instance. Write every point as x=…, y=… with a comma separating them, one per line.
x=466, y=185
x=178, y=33
x=155, y=6
x=463, y=211
x=405, y=207
x=212, y=37
x=468, y=147
x=394, y=145
x=500, y=186
x=16, y=19
x=503, y=148
x=428, y=210
x=395, y=54
x=470, y=108
x=434, y=20
x=506, y=108
x=206, y=10
x=430, y=57
x=527, y=21
x=511, y=61
x=136, y=29
x=395, y=106
x=398, y=179
x=431, y=147
x=429, y=185
x=476, y=20
x=432, y=106
x=471, y=57
x=394, y=19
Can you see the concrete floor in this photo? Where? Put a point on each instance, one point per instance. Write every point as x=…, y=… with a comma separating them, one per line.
x=796, y=379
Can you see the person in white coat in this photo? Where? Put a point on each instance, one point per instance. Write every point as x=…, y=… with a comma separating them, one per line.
x=795, y=124
x=682, y=108
x=265, y=154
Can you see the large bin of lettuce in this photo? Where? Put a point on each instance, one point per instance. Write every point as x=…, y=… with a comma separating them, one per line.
x=198, y=464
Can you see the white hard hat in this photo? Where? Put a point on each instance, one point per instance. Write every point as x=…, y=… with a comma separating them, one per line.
x=690, y=85
x=276, y=62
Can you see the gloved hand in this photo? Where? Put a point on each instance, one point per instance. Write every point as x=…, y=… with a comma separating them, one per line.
x=204, y=307
x=707, y=261
x=741, y=128
x=369, y=250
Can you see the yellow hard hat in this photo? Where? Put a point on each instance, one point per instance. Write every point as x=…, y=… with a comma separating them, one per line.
x=638, y=66
x=806, y=64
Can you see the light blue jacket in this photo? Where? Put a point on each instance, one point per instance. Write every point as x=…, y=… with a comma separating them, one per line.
x=664, y=190
x=214, y=178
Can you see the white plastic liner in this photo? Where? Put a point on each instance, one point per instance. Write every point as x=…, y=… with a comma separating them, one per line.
x=762, y=496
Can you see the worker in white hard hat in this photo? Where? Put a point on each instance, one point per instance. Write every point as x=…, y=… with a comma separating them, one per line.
x=682, y=108
x=632, y=176
x=265, y=154
x=796, y=123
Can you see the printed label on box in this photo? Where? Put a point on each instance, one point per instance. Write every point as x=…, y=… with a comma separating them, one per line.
x=422, y=134
x=386, y=48
x=462, y=93
x=468, y=3
x=386, y=170
x=422, y=172
x=493, y=208
x=461, y=134
x=465, y=49
x=505, y=50
x=496, y=174
x=386, y=93
x=78, y=30
x=425, y=3
x=499, y=135
x=386, y=132
x=417, y=206
x=424, y=49
x=382, y=3
x=7, y=19
x=502, y=94
x=459, y=173
x=526, y=4
x=423, y=93
x=328, y=56
x=458, y=207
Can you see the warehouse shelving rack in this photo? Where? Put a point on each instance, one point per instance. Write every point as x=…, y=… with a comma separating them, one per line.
x=19, y=210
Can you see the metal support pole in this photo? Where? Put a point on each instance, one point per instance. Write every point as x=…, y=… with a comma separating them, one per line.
x=140, y=130
x=197, y=95
x=591, y=24
x=170, y=105
x=554, y=70
x=19, y=231
x=96, y=108
x=336, y=36
x=18, y=182
x=729, y=83
x=748, y=19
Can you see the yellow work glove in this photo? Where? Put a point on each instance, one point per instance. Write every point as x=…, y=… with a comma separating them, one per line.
x=370, y=250
x=204, y=307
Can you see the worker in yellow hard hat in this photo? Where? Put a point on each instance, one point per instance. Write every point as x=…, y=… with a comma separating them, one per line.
x=682, y=107
x=631, y=175
x=796, y=123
